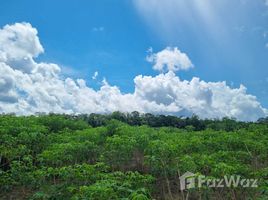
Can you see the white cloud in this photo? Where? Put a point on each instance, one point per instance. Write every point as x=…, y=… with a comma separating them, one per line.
x=266, y=2
x=206, y=99
x=170, y=59
x=19, y=45
x=27, y=87
x=95, y=75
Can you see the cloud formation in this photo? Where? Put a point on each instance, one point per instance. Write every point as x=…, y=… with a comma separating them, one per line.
x=27, y=87
x=169, y=59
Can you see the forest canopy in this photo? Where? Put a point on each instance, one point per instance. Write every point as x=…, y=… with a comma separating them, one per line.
x=128, y=156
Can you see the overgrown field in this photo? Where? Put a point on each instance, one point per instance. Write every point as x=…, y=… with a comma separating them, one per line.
x=128, y=157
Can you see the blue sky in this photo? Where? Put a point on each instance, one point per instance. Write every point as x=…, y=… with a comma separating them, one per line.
x=66, y=30
x=225, y=40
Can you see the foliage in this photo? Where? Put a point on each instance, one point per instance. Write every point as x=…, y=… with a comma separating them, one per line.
x=128, y=156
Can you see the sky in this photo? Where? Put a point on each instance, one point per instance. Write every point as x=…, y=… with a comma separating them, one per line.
x=178, y=57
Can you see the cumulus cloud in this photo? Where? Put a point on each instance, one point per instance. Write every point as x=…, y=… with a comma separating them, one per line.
x=27, y=87
x=206, y=99
x=19, y=45
x=169, y=59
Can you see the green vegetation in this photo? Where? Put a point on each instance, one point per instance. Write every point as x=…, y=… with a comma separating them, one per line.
x=128, y=156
